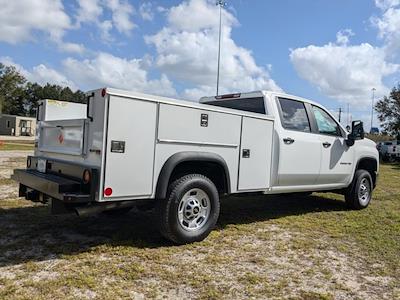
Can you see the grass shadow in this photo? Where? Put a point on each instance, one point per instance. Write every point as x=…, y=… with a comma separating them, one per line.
x=31, y=234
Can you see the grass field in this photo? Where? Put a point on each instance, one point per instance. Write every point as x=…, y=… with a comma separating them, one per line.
x=263, y=247
x=23, y=145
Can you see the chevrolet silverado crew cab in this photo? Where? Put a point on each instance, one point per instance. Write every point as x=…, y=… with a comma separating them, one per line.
x=126, y=149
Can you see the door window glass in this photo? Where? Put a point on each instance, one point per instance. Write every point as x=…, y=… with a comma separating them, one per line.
x=325, y=123
x=294, y=115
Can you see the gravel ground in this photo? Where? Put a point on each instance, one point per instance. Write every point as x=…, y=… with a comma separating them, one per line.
x=275, y=248
x=10, y=160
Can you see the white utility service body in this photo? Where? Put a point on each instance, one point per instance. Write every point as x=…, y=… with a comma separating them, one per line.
x=134, y=145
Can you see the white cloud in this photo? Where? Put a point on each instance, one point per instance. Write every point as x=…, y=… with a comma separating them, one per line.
x=20, y=19
x=71, y=47
x=343, y=36
x=122, y=12
x=41, y=74
x=93, y=11
x=349, y=72
x=146, y=11
x=109, y=70
x=187, y=50
x=388, y=26
x=195, y=15
x=89, y=10
x=385, y=4
x=346, y=73
x=105, y=28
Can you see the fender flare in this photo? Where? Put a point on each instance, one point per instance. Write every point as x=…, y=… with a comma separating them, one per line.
x=180, y=157
x=357, y=167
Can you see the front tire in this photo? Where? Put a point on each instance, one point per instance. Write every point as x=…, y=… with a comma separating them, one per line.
x=190, y=210
x=359, y=194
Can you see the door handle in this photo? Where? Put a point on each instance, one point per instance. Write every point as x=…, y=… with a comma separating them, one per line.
x=326, y=144
x=288, y=141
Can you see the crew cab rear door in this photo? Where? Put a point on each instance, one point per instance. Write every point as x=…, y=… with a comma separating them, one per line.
x=299, y=148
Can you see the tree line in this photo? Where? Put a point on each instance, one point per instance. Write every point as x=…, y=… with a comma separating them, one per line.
x=18, y=96
x=388, y=110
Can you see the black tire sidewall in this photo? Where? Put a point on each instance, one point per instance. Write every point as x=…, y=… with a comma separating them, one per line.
x=183, y=185
x=360, y=175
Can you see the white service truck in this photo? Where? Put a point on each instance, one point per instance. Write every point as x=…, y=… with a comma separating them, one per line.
x=134, y=149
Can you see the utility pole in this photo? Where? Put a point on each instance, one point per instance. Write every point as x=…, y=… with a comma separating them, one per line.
x=340, y=113
x=221, y=4
x=372, y=107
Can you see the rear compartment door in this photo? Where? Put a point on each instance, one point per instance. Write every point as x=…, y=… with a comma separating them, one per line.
x=130, y=148
x=255, y=154
x=62, y=136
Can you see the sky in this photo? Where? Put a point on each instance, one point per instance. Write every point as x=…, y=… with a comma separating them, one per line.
x=332, y=52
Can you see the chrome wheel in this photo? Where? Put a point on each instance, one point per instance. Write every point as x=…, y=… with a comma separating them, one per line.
x=364, y=192
x=194, y=209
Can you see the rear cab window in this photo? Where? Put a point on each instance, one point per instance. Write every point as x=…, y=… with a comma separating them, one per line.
x=294, y=115
x=256, y=104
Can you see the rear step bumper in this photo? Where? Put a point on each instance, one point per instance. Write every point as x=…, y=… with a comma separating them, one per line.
x=34, y=184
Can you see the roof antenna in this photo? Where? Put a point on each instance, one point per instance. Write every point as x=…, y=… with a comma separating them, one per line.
x=221, y=4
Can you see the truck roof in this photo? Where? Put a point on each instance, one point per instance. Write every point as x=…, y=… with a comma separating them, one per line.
x=185, y=103
x=254, y=94
x=204, y=100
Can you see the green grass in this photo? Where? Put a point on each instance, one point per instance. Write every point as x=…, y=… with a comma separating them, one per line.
x=263, y=247
x=13, y=146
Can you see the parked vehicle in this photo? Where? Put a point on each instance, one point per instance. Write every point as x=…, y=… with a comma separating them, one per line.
x=134, y=149
x=393, y=151
x=389, y=151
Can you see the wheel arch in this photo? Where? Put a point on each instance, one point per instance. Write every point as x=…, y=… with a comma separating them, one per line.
x=369, y=164
x=200, y=162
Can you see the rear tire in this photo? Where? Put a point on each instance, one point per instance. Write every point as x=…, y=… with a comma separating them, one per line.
x=359, y=193
x=190, y=210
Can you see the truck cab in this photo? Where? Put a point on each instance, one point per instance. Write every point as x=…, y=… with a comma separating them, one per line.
x=312, y=150
x=125, y=149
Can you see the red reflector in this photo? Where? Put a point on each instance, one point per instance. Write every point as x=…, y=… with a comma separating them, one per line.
x=108, y=191
x=103, y=92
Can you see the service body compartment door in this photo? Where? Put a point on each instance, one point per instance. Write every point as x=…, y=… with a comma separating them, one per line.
x=62, y=136
x=130, y=147
x=255, y=154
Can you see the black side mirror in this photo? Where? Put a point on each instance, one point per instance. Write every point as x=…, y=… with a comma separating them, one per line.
x=357, y=133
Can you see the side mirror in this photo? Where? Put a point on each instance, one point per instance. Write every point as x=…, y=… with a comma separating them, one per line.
x=357, y=133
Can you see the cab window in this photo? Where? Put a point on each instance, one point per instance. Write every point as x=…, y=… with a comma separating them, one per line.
x=325, y=123
x=294, y=115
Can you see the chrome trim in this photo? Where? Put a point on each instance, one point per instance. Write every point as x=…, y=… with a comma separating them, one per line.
x=197, y=143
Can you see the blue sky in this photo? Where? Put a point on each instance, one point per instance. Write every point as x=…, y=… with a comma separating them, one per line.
x=333, y=52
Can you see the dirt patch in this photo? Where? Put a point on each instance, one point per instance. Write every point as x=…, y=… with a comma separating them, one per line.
x=282, y=249
x=10, y=160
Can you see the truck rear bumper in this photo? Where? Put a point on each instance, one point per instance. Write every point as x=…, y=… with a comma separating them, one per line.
x=34, y=185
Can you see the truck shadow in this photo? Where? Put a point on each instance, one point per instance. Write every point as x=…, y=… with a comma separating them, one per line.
x=31, y=234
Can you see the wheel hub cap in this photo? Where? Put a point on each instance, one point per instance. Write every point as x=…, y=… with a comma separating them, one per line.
x=364, y=191
x=194, y=209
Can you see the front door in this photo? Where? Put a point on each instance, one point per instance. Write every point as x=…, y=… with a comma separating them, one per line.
x=299, y=149
x=337, y=158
